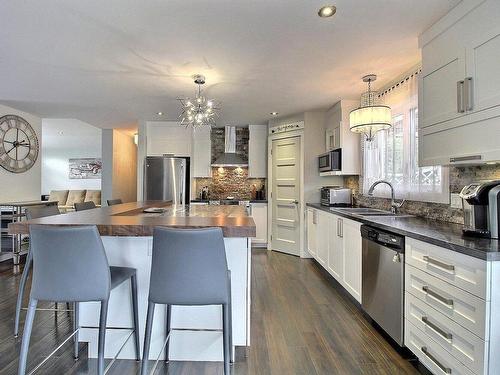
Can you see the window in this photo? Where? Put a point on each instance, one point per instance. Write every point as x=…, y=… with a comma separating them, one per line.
x=393, y=154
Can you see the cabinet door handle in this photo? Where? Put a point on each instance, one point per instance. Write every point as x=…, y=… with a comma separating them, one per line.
x=446, y=335
x=445, y=369
x=340, y=228
x=437, y=263
x=315, y=220
x=469, y=94
x=460, y=97
x=465, y=158
x=446, y=301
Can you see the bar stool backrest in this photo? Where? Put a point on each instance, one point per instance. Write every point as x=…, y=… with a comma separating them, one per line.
x=112, y=202
x=69, y=264
x=84, y=206
x=36, y=212
x=189, y=267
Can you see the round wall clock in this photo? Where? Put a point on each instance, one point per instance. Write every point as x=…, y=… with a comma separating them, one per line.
x=18, y=144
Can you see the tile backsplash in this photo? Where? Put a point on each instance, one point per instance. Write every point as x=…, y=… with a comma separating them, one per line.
x=229, y=182
x=459, y=177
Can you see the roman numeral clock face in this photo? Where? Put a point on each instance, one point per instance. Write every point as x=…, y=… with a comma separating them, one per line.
x=18, y=144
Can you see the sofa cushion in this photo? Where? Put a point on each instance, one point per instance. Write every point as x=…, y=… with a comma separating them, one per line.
x=93, y=196
x=75, y=196
x=61, y=196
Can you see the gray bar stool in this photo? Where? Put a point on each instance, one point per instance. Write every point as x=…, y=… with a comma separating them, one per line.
x=84, y=206
x=112, y=202
x=83, y=275
x=189, y=268
x=31, y=213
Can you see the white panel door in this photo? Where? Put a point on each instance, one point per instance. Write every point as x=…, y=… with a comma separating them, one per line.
x=286, y=195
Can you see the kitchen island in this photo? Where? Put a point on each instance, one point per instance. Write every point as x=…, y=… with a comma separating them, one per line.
x=126, y=232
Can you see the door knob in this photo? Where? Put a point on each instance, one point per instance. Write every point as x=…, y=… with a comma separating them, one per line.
x=296, y=202
x=396, y=258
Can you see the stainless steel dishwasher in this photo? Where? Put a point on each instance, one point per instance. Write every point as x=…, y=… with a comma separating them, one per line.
x=383, y=280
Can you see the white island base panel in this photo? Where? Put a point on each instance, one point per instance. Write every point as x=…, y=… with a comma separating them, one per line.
x=184, y=345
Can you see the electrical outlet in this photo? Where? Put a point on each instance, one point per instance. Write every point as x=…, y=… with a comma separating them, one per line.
x=455, y=201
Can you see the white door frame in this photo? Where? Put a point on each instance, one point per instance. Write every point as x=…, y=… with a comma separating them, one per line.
x=295, y=133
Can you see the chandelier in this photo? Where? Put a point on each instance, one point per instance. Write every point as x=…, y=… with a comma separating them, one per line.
x=198, y=111
x=370, y=117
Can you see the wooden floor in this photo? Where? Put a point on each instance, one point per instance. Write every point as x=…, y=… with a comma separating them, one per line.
x=301, y=324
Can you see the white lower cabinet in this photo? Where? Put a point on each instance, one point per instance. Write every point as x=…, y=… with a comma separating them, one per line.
x=322, y=238
x=312, y=222
x=258, y=211
x=335, y=242
x=451, y=307
x=431, y=354
x=335, y=248
x=351, y=233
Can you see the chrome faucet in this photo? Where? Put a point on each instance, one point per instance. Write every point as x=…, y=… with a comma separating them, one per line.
x=394, y=206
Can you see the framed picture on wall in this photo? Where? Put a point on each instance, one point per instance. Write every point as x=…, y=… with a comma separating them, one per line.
x=85, y=168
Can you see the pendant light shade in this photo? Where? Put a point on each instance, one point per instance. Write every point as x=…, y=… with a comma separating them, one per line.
x=370, y=117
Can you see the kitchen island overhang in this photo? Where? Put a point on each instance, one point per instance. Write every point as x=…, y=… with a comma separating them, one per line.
x=126, y=232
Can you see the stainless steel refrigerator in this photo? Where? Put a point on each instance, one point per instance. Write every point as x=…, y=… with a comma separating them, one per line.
x=166, y=178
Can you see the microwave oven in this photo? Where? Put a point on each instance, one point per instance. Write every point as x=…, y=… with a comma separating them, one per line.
x=330, y=161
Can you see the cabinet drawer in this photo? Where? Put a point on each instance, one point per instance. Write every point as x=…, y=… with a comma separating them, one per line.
x=459, y=342
x=431, y=354
x=458, y=269
x=464, y=308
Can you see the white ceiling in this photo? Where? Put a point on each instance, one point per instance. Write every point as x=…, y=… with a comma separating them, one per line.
x=111, y=63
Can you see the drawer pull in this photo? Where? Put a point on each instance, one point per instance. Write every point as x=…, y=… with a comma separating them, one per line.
x=445, y=369
x=447, y=301
x=446, y=335
x=437, y=263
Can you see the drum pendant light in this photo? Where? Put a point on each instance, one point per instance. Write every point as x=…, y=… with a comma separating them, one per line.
x=370, y=117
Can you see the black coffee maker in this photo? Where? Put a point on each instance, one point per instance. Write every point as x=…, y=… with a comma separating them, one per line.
x=480, y=202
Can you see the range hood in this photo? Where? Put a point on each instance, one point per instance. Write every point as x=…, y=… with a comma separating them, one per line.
x=230, y=158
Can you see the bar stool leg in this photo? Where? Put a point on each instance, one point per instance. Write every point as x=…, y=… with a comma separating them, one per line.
x=20, y=294
x=225, y=338
x=147, y=337
x=135, y=308
x=76, y=325
x=169, y=327
x=28, y=325
x=102, y=337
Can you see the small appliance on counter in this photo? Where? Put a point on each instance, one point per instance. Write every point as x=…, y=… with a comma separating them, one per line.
x=336, y=196
x=480, y=202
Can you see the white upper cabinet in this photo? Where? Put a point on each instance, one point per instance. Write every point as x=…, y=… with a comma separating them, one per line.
x=202, y=153
x=257, y=151
x=338, y=135
x=441, y=87
x=459, y=90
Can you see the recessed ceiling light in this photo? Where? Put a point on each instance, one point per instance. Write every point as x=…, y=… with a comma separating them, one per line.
x=327, y=11
x=160, y=113
x=274, y=113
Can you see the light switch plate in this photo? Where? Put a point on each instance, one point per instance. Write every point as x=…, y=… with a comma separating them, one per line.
x=455, y=201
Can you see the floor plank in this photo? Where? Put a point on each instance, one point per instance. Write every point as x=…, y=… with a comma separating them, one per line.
x=302, y=323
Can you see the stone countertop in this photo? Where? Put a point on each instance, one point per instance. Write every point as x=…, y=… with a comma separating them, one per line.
x=128, y=219
x=240, y=200
x=447, y=235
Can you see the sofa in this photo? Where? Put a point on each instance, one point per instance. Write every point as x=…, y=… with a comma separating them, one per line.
x=66, y=199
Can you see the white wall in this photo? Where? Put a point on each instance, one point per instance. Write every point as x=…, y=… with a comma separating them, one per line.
x=22, y=186
x=64, y=139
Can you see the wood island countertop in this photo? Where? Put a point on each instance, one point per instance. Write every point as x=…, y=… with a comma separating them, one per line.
x=128, y=219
